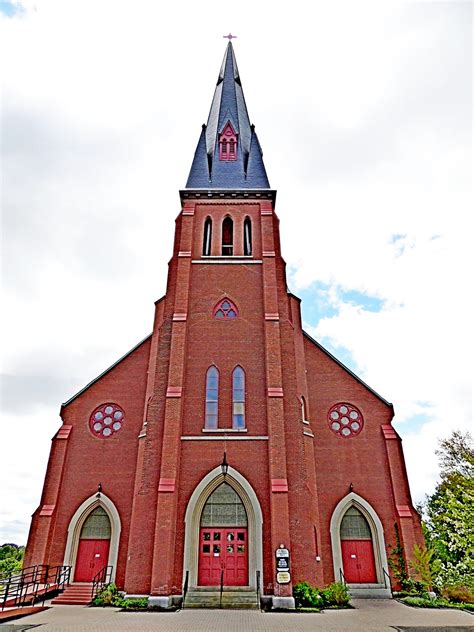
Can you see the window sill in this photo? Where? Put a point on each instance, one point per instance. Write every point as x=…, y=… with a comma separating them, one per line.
x=224, y=430
x=227, y=256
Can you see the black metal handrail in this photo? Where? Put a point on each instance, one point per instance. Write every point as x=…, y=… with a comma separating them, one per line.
x=23, y=588
x=342, y=578
x=185, y=587
x=385, y=577
x=257, y=577
x=222, y=587
x=101, y=578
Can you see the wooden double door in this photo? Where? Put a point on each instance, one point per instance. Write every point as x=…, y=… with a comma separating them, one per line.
x=223, y=553
x=92, y=556
x=358, y=561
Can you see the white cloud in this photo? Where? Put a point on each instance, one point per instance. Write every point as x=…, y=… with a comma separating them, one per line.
x=363, y=111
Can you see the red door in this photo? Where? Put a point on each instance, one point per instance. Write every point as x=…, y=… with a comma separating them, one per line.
x=92, y=556
x=223, y=550
x=358, y=561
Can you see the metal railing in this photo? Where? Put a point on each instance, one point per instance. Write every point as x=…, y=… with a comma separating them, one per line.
x=185, y=588
x=221, y=588
x=257, y=577
x=386, y=577
x=34, y=581
x=342, y=578
x=103, y=577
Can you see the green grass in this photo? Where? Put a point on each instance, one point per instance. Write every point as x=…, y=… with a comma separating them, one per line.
x=421, y=602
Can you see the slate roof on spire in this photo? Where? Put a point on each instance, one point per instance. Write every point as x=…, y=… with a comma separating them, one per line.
x=228, y=105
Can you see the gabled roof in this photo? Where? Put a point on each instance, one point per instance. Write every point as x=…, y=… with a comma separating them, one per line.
x=343, y=366
x=228, y=105
x=96, y=379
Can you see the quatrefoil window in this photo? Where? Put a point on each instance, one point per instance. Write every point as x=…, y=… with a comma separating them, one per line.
x=225, y=310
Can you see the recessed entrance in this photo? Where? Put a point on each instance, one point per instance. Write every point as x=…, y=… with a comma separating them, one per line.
x=357, y=548
x=94, y=544
x=223, y=547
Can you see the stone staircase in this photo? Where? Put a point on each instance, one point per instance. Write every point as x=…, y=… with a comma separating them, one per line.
x=369, y=591
x=243, y=599
x=74, y=595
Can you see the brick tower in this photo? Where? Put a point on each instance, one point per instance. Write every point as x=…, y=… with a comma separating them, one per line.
x=231, y=448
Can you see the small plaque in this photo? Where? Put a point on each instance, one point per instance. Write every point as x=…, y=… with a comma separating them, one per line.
x=283, y=578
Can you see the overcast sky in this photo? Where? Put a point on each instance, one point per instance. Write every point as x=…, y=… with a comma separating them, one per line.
x=363, y=111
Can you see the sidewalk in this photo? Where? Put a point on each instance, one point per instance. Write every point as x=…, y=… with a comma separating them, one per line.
x=367, y=616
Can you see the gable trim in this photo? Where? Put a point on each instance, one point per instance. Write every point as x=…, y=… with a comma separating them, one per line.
x=351, y=373
x=96, y=379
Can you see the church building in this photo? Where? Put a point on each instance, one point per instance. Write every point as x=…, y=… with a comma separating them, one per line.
x=228, y=450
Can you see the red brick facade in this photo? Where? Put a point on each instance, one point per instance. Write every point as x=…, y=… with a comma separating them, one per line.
x=295, y=473
x=299, y=471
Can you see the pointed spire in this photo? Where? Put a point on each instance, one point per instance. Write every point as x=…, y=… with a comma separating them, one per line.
x=244, y=171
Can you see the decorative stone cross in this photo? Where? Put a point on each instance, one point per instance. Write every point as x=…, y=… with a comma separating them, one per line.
x=229, y=37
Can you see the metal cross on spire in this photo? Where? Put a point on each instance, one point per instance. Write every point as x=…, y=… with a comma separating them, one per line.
x=229, y=37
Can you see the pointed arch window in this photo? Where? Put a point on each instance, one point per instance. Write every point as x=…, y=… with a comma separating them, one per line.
x=247, y=237
x=238, y=398
x=228, y=143
x=207, y=238
x=354, y=526
x=96, y=526
x=212, y=398
x=224, y=508
x=227, y=236
x=225, y=310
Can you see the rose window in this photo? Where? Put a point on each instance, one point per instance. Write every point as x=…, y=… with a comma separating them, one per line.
x=106, y=420
x=345, y=420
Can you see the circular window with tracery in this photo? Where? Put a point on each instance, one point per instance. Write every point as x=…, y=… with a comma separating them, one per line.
x=106, y=420
x=345, y=420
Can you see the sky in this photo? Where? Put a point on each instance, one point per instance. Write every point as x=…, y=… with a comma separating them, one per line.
x=363, y=111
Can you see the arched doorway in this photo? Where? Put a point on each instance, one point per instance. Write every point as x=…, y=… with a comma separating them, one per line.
x=223, y=549
x=94, y=545
x=75, y=532
x=357, y=548
x=194, y=510
x=356, y=530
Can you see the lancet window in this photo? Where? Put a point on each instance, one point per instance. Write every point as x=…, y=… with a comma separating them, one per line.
x=212, y=398
x=238, y=398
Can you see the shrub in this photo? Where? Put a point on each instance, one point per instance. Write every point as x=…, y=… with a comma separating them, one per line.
x=135, y=604
x=336, y=594
x=108, y=596
x=307, y=596
x=458, y=594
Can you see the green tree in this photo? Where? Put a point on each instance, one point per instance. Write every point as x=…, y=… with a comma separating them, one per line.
x=450, y=513
x=11, y=559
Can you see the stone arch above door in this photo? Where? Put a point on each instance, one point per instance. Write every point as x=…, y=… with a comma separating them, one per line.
x=196, y=503
x=354, y=500
x=77, y=521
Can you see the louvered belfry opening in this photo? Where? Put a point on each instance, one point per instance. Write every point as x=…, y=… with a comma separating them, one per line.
x=207, y=238
x=228, y=236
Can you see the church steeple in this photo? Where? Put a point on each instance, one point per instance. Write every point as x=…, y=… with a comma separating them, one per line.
x=228, y=155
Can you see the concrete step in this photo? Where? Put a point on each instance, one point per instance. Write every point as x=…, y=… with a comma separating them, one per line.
x=369, y=591
x=238, y=599
x=75, y=594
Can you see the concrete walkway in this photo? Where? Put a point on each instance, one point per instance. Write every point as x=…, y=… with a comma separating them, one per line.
x=368, y=615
